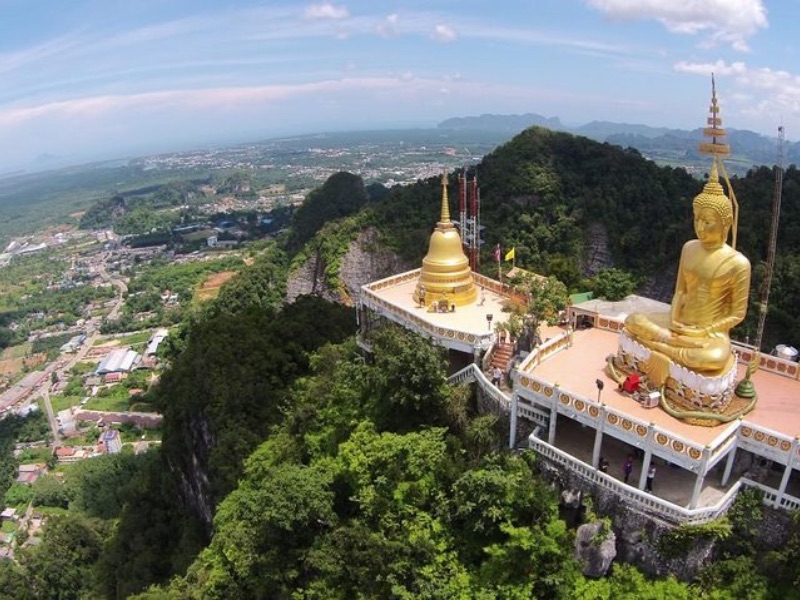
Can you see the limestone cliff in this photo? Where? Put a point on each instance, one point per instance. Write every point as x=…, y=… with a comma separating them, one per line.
x=598, y=252
x=364, y=260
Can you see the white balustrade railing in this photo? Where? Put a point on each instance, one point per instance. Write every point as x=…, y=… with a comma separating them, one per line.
x=617, y=423
x=445, y=334
x=644, y=501
x=473, y=373
x=771, y=496
x=767, y=362
x=543, y=350
x=465, y=375
x=766, y=442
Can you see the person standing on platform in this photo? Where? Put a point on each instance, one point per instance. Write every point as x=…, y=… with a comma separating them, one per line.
x=627, y=468
x=497, y=375
x=651, y=474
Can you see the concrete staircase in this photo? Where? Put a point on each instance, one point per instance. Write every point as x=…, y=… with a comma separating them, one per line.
x=502, y=356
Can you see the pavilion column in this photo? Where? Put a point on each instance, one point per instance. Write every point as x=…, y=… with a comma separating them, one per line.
x=787, y=472
x=648, y=456
x=512, y=434
x=551, y=434
x=598, y=437
x=726, y=475
x=702, y=468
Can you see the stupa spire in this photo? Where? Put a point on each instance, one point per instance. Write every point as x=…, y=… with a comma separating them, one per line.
x=445, y=218
x=719, y=150
x=714, y=130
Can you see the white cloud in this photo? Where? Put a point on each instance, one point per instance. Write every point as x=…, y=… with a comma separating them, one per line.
x=779, y=91
x=198, y=99
x=325, y=10
x=719, y=67
x=45, y=51
x=444, y=33
x=727, y=21
x=388, y=27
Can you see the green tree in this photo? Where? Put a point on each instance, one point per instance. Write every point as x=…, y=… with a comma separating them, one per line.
x=50, y=490
x=613, y=284
x=18, y=494
x=341, y=195
x=626, y=583
x=62, y=566
x=14, y=584
x=407, y=380
x=266, y=527
x=544, y=299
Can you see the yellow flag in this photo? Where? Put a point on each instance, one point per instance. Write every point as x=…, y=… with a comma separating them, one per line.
x=510, y=254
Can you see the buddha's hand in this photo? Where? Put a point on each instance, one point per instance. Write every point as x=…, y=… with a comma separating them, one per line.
x=688, y=330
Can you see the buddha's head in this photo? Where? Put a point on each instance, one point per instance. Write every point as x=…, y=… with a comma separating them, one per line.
x=713, y=213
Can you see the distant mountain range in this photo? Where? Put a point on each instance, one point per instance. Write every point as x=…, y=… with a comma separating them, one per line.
x=677, y=147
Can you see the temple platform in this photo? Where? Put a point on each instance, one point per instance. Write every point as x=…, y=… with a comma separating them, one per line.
x=466, y=329
x=778, y=406
x=581, y=414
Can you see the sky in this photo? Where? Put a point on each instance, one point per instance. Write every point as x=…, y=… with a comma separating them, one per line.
x=94, y=79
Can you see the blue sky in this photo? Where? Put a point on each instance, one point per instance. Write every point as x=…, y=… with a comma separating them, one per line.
x=90, y=79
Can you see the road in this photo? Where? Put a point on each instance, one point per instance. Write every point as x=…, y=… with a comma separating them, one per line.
x=91, y=336
x=45, y=392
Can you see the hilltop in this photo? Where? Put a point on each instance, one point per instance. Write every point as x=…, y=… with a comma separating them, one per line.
x=675, y=147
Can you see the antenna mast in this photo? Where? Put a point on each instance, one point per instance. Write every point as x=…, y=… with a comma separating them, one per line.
x=469, y=209
x=766, y=284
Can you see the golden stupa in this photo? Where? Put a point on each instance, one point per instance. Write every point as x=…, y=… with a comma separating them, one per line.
x=446, y=274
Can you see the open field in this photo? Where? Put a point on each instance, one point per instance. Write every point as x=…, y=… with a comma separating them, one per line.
x=111, y=404
x=13, y=366
x=60, y=403
x=209, y=289
x=16, y=351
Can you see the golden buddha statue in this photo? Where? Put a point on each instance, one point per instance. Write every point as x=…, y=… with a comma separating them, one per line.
x=710, y=297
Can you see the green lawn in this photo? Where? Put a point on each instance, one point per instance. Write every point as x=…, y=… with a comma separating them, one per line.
x=35, y=455
x=142, y=407
x=83, y=367
x=111, y=403
x=51, y=511
x=8, y=527
x=63, y=402
x=20, y=351
x=136, y=339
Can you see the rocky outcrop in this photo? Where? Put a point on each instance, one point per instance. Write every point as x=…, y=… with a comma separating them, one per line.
x=595, y=548
x=310, y=278
x=366, y=260
x=598, y=254
x=191, y=473
x=661, y=285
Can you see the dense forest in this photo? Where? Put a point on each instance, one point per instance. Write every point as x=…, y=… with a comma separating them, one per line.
x=293, y=466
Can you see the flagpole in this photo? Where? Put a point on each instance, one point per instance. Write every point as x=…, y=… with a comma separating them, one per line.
x=500, y=271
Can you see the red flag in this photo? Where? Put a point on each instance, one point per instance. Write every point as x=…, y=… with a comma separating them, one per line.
x=497, y=253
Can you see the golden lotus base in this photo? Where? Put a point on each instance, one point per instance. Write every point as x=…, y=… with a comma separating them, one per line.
x=682, y=401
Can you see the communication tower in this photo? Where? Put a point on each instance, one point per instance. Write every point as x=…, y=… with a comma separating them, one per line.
x=469, y=210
